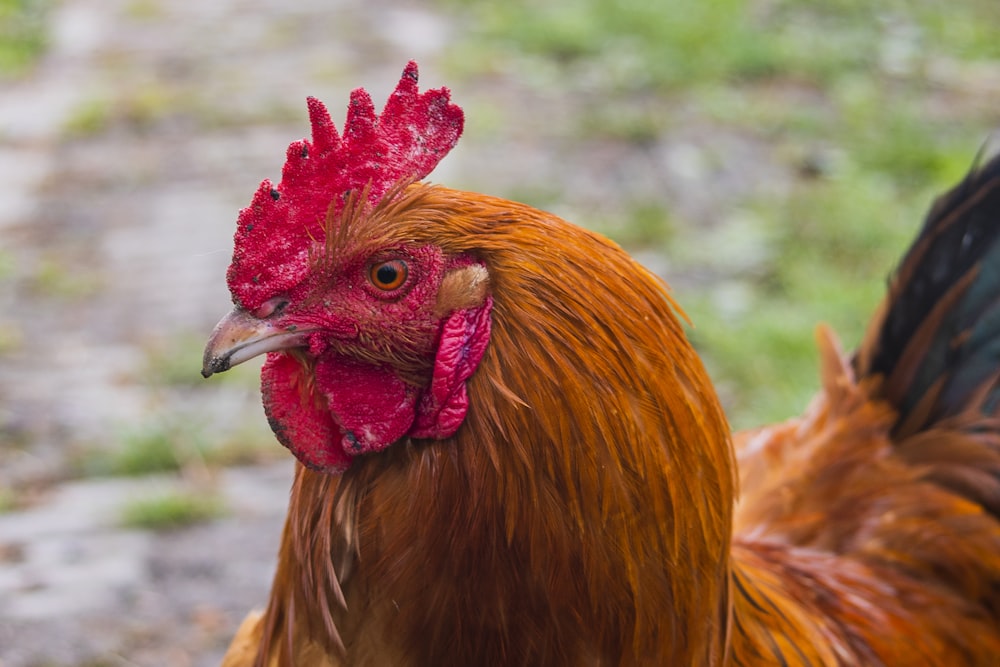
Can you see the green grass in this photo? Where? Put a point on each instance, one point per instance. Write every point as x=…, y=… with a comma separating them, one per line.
x=681, y=44
x=22, y=34
x=11, y=338
x=176, y=442
x=153, y=447
x=172, y=443
x=145, y=10
x=139, y=109
x=171, y=510
x=252, y=443
x=824, y=253
x=8, y=501
x=846, y=95
x=90, y=117
x=52, y=277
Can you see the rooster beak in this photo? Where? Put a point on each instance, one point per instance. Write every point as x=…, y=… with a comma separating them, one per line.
x=240, y=336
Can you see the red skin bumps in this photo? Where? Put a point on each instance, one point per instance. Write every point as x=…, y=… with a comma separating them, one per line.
x=326, y=403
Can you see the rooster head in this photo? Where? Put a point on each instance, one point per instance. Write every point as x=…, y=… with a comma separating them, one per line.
x=370, y=334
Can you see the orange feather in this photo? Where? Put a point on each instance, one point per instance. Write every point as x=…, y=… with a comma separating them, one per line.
x=585, y=513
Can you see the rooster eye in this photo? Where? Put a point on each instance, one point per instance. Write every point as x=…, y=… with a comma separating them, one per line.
x=388, y=275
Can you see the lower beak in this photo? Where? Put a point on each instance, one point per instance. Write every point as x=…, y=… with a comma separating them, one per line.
x=240, y=336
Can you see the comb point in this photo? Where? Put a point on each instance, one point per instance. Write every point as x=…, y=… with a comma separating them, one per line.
x=324, y=132
x=371, y=154
x=361, y=119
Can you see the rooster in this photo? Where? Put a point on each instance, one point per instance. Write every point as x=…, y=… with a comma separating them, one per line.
x=510, y=454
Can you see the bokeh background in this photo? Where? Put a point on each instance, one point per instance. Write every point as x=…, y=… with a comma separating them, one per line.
x=770, y=158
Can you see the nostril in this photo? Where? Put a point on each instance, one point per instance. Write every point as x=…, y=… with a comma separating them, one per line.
x=270, y=308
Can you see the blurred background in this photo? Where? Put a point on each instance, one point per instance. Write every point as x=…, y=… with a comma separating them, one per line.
x=769, y=158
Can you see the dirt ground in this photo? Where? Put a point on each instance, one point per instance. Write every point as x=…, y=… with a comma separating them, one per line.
x=125, y=156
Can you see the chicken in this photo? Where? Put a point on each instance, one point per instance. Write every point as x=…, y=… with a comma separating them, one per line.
x=510, y=454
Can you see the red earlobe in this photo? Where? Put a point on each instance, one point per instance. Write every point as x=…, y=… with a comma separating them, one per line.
x=464, y=338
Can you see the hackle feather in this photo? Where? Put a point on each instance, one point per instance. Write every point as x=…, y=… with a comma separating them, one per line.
x=584, y=512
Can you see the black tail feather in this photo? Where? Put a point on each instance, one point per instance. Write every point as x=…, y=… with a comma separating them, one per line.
x=936, y=340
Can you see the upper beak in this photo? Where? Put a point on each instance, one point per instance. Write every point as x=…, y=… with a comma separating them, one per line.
x=240, y=336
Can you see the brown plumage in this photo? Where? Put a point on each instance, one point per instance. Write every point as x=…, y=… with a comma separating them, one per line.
x=521, y=515
x=585, y=511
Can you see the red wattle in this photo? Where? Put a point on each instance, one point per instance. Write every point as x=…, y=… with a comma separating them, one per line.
x=370, y=404
x=300, y=421
x=351, y=407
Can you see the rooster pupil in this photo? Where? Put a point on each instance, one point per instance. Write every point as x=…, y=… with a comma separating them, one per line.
x=387, y=274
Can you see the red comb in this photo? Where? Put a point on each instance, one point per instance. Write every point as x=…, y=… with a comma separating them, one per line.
x=407, y=140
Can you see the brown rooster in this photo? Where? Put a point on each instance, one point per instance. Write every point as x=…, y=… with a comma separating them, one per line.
x=511, y=455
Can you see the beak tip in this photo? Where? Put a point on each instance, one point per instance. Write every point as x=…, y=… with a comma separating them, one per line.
x=213, y=364
x=240, y=336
